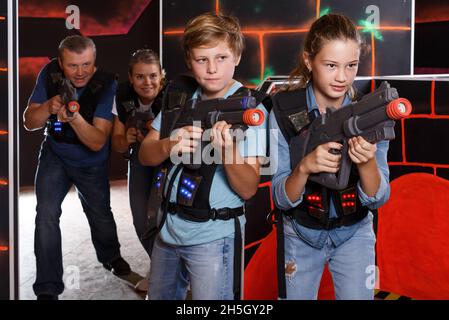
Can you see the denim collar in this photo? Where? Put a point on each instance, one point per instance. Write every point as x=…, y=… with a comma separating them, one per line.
x=312, y=106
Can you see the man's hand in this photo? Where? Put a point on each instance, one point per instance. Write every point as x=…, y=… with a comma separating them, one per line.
x=63, y=116
x=54, y=104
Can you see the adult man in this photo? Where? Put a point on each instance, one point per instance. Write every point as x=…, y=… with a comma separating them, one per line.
x=74, y=152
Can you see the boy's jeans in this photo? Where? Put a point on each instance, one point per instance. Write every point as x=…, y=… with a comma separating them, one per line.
x=208, y=267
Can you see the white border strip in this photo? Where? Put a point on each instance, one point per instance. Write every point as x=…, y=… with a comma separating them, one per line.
x=160, y=34
x=11, y=147
x=412, y=41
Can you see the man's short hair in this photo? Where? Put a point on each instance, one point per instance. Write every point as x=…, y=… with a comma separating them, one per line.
x=76, y=44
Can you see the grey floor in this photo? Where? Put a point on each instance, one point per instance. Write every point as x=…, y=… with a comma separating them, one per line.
x=84, y=276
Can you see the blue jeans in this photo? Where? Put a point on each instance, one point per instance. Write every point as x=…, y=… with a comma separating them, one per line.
x=208, y=267
x=139, y=186
x=351, y=265
x=53, y=181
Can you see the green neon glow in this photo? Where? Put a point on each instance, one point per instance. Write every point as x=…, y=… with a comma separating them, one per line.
x=369, y=27
x=268, y=73
x=325, y=11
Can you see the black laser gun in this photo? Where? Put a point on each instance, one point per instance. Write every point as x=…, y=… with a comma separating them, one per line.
x=69, y=97
x=373, y=117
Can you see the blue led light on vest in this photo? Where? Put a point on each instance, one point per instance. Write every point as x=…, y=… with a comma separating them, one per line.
x=57, y=126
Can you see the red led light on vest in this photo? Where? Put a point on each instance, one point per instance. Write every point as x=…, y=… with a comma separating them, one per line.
x=313, y=198
x=348, y=204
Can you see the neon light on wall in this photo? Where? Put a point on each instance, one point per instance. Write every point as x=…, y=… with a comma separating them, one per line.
x=261, y=38
x=432, y=115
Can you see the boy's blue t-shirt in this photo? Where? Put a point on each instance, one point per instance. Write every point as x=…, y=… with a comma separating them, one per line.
x=178, y=231
x=77, y=155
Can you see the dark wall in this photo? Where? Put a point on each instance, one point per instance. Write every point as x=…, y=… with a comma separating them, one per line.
x=431, y=29
x=117, y=27
x=275, y=30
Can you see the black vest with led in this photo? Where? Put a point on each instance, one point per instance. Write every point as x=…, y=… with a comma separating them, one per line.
x=292, y=116
x=97, y=85
x=127, y=101
x=196, y=181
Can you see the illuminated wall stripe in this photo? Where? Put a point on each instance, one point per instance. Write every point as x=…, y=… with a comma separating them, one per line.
x=432, y=115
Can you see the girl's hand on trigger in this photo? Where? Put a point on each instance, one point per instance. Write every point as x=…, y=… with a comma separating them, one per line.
x=322, y=160
x=361, y=151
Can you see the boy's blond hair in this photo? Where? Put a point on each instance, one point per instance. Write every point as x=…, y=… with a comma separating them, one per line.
x=211, y=28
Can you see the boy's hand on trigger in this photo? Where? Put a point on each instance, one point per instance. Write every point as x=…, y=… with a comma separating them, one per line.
x=220, y=136
x=185, y=140
x=321, y=160
x=361, y=151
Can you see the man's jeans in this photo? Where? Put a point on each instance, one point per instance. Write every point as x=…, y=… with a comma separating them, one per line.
x=208, y=267
x=139, y=186
x=352, y=265
x=53, y=181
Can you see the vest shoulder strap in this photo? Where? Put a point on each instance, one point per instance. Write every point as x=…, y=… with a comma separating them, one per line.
x=290, y=109
x=125, y=100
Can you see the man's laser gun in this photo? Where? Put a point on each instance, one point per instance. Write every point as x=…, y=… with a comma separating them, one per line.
x=240, y=111
x=69, y=97
x=373, y=118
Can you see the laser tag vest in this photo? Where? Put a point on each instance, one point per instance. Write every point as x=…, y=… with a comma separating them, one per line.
x=100, y=81
x=127, y=100
x=290, y=109
x=195, y=183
